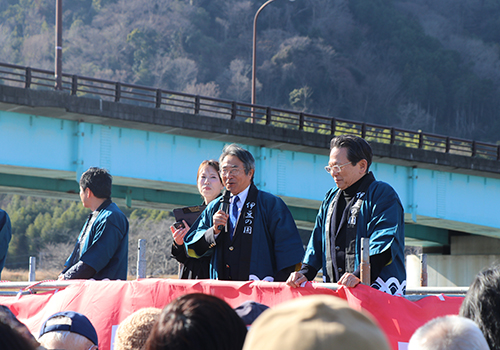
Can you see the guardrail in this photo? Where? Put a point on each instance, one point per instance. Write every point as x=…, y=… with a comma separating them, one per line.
x=33, y=78
x=32, y=286
x=25, y=288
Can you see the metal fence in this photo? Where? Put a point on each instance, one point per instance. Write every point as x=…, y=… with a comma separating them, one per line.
x=33, y=78
x=32, y=286
x=25, y=288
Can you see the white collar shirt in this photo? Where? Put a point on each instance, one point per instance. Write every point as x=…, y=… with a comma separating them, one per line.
x=243, y=197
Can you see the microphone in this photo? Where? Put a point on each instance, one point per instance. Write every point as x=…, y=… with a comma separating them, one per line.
x=224, y=206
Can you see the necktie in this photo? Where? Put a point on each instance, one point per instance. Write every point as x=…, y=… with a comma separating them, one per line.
x=233, y=216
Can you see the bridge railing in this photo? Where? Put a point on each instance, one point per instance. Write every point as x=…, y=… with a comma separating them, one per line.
x=33, y=78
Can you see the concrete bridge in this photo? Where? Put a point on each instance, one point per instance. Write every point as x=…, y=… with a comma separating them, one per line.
x=49, y=138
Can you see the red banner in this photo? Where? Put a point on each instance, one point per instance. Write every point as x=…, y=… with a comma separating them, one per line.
x=107, y=303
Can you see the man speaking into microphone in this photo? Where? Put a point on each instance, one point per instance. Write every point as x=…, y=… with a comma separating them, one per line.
x=252, y=238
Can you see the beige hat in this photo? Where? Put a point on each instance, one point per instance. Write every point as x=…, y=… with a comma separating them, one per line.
x=133, y=331
x=315, y=322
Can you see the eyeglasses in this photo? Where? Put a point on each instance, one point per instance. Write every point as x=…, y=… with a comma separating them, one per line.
x=335, y=168
x=230, y=171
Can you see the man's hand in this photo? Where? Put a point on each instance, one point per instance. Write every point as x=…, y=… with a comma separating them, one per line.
x=349, y=280
x=179, y=233
x=220, y=218
x=60, y=277
x=296, y=279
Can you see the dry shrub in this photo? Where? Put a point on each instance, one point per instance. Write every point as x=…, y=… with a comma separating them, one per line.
x=53, y=256
x=14, y=275
x=22, y=275
x=158, y=242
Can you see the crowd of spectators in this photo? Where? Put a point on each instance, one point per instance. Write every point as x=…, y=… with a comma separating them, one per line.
x=204, y=322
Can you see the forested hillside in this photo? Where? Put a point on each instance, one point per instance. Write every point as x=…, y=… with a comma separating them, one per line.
x=417, y=64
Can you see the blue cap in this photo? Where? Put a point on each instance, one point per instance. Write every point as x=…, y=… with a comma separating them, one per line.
x=76, y=323
x=249, y=311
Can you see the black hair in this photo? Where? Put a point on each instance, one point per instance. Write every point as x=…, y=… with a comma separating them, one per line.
x=197, y=322
x=8, y=318
x=98, y=180
x=11, y=339
x=482, y=304
x=357, y=148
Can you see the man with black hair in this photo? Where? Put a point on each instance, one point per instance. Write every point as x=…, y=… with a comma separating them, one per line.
x=197, y=321
x=358, y=207
x=102, y=247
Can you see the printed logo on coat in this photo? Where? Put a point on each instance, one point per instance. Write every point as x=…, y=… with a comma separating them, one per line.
x=247, y=229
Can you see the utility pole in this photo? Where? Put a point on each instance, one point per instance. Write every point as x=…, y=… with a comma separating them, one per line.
x=254, y=52
x=58, y=61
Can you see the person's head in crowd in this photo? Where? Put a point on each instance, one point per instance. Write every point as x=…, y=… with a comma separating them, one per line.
x=319, y=322
x=134, y=330
x=97, y=180
x=249, y=311
x=197, y=322
x=11, y=339
x=482, y=304
x=8, y=318
x=68, y=330
x=237, y=168
x=350, y=159
x=209, y=181
x=448, y=333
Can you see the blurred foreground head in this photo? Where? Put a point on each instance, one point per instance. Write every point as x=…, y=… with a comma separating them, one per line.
x=68, y=330
x=7, y=318
x=133, y=331
x=197, y=322
x=319, y=322
x=448, y=333
x=482, y=304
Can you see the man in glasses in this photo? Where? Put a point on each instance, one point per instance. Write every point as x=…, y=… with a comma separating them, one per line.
x=358, y=207
x=256, y=239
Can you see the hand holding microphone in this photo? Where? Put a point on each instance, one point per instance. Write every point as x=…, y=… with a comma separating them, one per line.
x=220, y=220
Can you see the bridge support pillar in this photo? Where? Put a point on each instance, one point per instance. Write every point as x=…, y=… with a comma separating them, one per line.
x=80, y=151
x=468, y=255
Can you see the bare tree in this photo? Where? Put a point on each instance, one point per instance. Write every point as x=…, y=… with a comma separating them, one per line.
x=54, y=255
x=210, y=89
x=239, y=88
x=159, y=241
x=36, y=51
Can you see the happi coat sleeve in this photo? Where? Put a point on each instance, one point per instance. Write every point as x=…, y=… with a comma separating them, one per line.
x=106, y=246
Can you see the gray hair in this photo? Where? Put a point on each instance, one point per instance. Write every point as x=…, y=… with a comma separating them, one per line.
x=69, y=339
x=242, y=154
x=448, y=333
